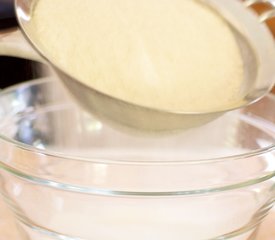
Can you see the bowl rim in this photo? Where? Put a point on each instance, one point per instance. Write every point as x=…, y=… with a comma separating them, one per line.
x=68, y=156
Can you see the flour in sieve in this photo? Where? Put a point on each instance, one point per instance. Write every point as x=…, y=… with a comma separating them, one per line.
x=170, y=54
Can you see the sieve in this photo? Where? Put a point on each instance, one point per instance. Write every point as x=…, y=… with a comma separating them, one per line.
x=251, y=33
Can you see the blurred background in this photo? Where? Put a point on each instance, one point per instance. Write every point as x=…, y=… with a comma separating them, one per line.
x=14, y=70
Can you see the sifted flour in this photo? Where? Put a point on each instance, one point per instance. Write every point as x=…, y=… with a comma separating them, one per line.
x=169, y=54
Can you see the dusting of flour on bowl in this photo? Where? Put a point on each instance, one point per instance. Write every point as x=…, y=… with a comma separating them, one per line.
x=170, y=54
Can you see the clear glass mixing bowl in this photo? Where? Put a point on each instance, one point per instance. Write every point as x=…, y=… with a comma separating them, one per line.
x=66, y=175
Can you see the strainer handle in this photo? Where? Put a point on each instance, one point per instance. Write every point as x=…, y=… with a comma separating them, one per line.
x=265, y=16
x=13, y=43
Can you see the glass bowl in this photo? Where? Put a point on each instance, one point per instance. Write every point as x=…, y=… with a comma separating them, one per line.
x=66, y=175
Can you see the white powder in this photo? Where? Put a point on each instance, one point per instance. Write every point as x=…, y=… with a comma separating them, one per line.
x=169, y=54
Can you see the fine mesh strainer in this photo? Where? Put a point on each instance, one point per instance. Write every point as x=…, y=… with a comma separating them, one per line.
x=253, y=36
